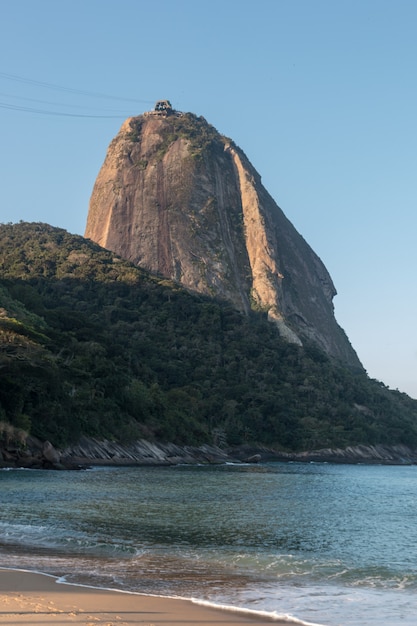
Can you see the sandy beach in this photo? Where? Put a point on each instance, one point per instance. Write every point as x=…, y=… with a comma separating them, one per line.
x=38, y=600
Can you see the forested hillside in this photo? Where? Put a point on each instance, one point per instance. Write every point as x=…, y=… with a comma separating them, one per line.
x=90, y=344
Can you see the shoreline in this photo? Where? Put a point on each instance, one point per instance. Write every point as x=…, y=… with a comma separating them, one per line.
x=35, y=598
x=90, y=452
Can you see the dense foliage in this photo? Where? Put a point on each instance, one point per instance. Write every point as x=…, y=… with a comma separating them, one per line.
x=198, y=132
x=90, y=344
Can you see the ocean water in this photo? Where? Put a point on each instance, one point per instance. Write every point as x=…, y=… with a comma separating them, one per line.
x=321, y=543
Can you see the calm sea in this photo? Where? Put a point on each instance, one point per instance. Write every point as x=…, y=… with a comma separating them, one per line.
x=328, y=544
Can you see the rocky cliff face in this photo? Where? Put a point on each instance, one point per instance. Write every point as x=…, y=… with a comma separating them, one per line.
x=177, y=198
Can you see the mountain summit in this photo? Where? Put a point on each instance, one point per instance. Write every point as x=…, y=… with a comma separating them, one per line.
x=179, y=199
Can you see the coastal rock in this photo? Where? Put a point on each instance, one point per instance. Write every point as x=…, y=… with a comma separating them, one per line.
x=386, y=455
x=33, y=454
x=176, y=198
x=90, y=451
x=372, y=454
x=255, y=458
x=49, y=453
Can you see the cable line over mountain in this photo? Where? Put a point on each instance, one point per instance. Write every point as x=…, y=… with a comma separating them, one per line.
x=60, y=106
x=91, y=94
x=3, y=105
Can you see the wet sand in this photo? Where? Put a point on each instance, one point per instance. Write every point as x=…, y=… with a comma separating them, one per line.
x=38, y=600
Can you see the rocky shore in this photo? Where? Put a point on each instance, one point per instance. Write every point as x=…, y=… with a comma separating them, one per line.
x=372, y=454
x=35, y=454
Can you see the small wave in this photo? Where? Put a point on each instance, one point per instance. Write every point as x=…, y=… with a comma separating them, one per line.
x=272, y=616
x=17, y=469
x=21, y=533
x=41, y=537
x=233, y=463
x=377, y=578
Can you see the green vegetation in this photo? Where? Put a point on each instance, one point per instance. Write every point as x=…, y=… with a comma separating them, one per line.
x=90, y=344
x=201, y=135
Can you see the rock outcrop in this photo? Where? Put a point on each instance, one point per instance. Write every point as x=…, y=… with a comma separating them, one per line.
x=361, y=454
x=35, y=454
x=102, y=452
x=175, y=197
x=91, y=451
x=31, y=453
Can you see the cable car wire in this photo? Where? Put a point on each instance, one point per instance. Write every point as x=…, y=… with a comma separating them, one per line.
x=14, y=107
x=91, y=94
x=62, y=104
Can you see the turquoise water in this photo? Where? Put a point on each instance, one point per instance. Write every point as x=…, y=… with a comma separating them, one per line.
x=328, y=544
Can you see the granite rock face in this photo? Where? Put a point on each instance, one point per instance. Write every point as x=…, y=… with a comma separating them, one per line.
x=88, y=452
x=175, y=197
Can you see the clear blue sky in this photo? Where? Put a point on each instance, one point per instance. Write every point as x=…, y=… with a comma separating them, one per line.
x=320, y=94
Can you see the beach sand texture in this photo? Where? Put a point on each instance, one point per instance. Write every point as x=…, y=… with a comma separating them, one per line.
x=37, y=599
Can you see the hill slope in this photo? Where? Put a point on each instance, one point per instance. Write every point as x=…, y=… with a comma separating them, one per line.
x=91, y=344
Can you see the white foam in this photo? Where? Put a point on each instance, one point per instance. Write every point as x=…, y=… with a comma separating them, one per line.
x=270, y=615
x=17, y=469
